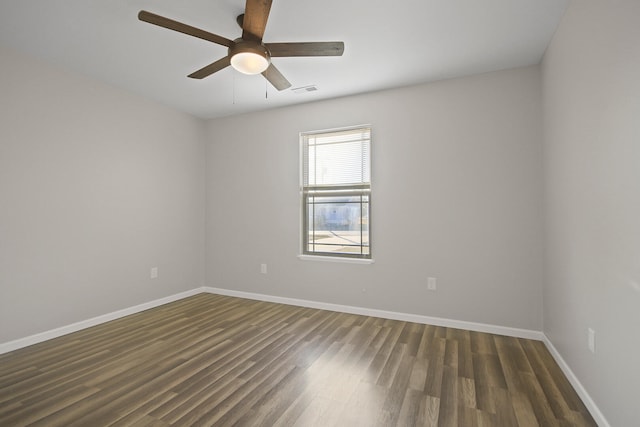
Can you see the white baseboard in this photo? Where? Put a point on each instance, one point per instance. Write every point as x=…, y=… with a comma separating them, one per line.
x=406, y=317
x=74, y=327
x=597, y=415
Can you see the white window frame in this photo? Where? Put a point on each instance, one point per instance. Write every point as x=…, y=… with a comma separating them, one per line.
x=358, y=189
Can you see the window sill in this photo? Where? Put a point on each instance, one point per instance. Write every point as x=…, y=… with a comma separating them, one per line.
x=335, y=259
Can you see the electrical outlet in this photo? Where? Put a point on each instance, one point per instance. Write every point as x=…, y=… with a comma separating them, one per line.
x=591, y=340
x=153, y=273
x=432, y=284
x=263, y=268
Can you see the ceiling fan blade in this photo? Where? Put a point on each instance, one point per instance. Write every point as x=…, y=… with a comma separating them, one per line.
x=276, y=78
x=306, y=49
x=161, y=21
x=256, y=13
x=211, y=68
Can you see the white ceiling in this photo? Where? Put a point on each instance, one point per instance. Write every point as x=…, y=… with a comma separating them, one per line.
x=388, y=43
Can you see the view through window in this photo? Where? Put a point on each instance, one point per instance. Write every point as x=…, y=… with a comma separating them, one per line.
x=336, y=192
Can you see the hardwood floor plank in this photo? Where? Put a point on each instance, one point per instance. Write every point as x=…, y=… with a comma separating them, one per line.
x=486, y=419
x=230, y=409
x=541, y=407
x=397, y=389
x=482, y=343
x=295, y=409
x=418, y=376
x=216, y=360
x=465, y=358
x=45, y=407
x=272, y=405
x=388, y=372
x=411, y=336
x=317, y=414
x=523, y=410
x=511, y=369
x=485, y=400
x=382, y=355
x=467, y=417
x=430, y=410
x=566, y=403
x=505, y=415
x=410, y=410
x=448, y=412
x=556, y=388
x=364, y=406
x=107, y=405
x=466, y=393
x=428, y=332
x=140, y=414
x=194, y=406
x=435, y=355
x=148, y=421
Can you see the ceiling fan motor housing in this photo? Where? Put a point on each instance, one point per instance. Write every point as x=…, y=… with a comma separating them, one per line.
x=249, y=46
x=241, y=45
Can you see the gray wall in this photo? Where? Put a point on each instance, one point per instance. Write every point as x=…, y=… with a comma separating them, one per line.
x=96, y=187
x=592, y=159
x=457, y=182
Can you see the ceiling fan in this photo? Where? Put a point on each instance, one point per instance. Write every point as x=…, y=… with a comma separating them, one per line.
x=248, y=54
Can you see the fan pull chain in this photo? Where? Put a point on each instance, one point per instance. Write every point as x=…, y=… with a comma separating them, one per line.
x=266, y=89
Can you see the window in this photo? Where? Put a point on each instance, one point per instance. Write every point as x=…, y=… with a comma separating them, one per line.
x=336, y=192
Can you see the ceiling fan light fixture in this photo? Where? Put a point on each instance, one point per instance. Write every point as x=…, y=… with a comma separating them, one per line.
x=249, y=62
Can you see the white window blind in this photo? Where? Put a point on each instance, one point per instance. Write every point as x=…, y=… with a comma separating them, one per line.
x=336, y=192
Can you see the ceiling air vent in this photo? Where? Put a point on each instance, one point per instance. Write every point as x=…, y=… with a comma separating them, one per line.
x=305, y=89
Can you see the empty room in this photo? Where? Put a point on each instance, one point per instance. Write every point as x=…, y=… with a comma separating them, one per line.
x=330, y=213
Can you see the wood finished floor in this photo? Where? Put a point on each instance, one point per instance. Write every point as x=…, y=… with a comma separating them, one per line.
x=216, y=360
